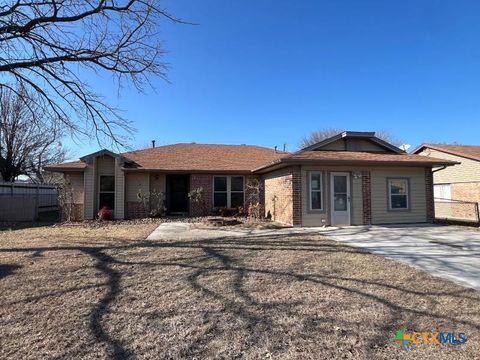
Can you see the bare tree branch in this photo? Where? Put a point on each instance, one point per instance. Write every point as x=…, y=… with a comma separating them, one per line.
x=28, y=138
x=44, y=46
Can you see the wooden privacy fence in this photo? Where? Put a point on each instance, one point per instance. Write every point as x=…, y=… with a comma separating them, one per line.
x=23, y=202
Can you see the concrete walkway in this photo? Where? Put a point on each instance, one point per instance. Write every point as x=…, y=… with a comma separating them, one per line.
x=449, y=252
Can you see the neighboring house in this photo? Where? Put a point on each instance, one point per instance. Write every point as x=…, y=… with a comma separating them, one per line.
x=458, y=183
x=352, y=178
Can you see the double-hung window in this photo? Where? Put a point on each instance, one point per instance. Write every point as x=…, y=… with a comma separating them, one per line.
x=398, y=194
x=316, y=193
x=228, y=191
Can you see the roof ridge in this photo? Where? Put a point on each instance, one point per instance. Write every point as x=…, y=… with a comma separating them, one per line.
x=454, y=144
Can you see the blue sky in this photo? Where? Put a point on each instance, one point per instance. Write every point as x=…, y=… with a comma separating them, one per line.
x=268, y=72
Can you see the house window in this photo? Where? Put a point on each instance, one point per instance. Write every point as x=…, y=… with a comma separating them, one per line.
x=316, y=193
x=228, y=191
x=398, y=194
x=442, y=192
x=106, y=196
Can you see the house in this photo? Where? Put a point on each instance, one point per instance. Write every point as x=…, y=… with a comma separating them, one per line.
x=455, y=184
x=351, y=178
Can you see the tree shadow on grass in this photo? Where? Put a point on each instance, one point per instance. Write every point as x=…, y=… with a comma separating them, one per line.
x=8, y=269
x=214, y=256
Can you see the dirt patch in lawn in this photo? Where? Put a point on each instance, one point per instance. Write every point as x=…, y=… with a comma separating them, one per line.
x=86, y=292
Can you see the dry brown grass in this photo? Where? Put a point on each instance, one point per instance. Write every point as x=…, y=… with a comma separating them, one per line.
x=97, y=292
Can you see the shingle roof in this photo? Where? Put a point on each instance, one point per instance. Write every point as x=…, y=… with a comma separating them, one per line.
x=246, y=158
x=466, y=151
x=203, y=157
x=71, y=165
x=357, y=157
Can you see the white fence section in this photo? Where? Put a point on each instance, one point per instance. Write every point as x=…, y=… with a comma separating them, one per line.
x=23, y=201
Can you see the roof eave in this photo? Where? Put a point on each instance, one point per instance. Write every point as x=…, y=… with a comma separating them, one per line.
x=62, y=169
x=187, y=171
x=289, y=162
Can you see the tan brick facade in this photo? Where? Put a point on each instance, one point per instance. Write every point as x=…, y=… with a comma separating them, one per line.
x=469, y=192
x=283, y=195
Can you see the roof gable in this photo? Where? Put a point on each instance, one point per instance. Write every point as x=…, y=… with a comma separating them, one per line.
x=471, y=152
x=351, y=140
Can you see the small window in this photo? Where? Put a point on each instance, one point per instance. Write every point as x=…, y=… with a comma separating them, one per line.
x=228, y=191
x=106, y=196
x=442, y=192
x=398, y=194
x=316, y=194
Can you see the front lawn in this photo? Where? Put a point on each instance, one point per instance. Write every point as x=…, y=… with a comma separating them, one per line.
x=101, y=291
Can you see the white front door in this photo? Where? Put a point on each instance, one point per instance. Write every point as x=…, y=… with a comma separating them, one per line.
x=340, y=198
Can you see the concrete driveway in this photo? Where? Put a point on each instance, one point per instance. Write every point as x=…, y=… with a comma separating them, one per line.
x=450, y=252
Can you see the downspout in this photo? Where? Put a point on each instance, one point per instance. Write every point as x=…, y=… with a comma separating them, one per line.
x=442, y=168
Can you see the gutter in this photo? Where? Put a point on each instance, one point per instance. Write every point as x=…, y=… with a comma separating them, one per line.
x=286, y=162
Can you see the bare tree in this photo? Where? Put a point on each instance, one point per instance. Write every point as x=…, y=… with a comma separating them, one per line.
x=46, y=45
x=28, y=140
x=322, y=134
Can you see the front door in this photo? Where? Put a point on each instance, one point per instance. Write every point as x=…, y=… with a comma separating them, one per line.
x=177, y=193
x=340, y=198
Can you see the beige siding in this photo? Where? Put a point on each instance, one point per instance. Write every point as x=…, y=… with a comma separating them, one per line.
x=379, y=176
x=338, y=145
x=354, y=145
x=77, y=183
x=467, y=171
x=363, y=145
x=417, y=198
x=90, y=190
x=310, y=218
x=119, y=190
x=157, y=182
x=133, y=183
x=106, y=165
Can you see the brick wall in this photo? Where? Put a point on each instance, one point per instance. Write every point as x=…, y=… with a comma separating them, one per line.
x=466, y=192
x=280, y=202
x=205, y=205
x=366, y=197
x=135, y=210
x=429, y=195
x=297, y=195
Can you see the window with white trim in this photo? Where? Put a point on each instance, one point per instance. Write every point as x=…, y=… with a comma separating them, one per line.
x=398, y=194
x=228, y=191
x=316, y=192
x=442, y=192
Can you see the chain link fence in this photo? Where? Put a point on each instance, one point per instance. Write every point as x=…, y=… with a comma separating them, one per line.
x=457, y=211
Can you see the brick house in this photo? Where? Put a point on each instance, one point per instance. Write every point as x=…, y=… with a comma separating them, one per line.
x=461, y=182
x=352, y=178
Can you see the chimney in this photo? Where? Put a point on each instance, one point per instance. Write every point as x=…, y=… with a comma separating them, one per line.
x=275, y=148
x=153, y=143
x=284, y=147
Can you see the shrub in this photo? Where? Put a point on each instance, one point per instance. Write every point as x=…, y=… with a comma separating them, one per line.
x=105, y=214
x=153, y=202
